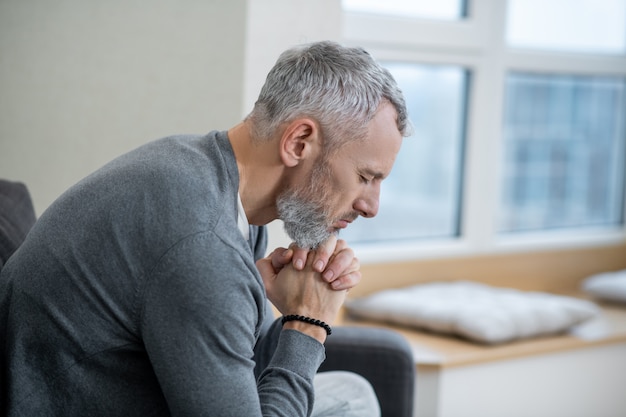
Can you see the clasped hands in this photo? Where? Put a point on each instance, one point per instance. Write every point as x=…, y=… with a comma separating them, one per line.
x=310, y=283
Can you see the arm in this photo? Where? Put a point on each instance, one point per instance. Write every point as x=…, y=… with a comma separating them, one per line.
x=302, y=292
x=199, y=324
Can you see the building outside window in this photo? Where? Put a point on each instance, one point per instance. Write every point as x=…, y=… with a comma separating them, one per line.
x=564, y=152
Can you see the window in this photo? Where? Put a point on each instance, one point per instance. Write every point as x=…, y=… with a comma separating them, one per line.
x=564, y=148
x=441, y=9
x=519, y=111
x=593, y=26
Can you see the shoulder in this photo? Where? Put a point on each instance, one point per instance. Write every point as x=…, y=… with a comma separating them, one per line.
x=183, y=159
x=184, y=179
x=151, y=197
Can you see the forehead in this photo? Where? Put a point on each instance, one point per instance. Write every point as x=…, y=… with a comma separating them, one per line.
x=376, y=152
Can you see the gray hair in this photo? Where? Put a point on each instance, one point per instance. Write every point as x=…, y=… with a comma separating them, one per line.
x=339, y=87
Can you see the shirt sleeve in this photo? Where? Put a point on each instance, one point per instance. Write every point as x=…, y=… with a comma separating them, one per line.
x=200, y=319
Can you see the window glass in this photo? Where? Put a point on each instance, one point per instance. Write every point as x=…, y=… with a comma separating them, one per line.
x=421, y=197
x=564, y=152
x=440, y=9
x=596, y=26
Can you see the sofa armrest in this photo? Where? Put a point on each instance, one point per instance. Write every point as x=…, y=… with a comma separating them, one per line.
x=381, y=356
x=17, y=216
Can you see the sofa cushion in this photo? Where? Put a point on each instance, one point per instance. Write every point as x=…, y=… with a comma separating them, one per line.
x=474, y=311
x=17, y=216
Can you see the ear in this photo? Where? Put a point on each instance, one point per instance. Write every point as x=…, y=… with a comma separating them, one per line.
x=301, y=140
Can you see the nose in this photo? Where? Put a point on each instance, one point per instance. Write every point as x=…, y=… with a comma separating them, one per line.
x=367, y=204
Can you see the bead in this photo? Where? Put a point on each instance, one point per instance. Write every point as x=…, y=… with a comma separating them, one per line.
x=305, y=319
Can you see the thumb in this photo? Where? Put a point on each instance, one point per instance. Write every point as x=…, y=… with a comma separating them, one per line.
x=266, y=270
x=280, y=257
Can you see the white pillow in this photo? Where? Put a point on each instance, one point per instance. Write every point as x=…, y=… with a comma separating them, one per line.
x=607, y=286
x=474, y=311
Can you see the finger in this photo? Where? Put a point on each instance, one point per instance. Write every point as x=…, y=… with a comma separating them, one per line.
x=299, y=257
x=347, y=281
x=340, y=263
x=280, y=257
x=341, y=245
x=266, y=269
x=324, y=252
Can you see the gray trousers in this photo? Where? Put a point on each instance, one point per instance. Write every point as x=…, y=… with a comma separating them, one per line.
x=344, y=394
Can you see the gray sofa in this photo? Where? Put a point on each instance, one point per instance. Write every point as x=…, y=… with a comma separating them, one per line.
x=381, y=356
x=17, y=216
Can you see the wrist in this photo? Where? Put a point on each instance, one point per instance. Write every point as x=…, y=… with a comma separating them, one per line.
x=312, y=327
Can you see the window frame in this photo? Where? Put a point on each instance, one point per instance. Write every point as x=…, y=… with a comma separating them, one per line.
x=478, y=44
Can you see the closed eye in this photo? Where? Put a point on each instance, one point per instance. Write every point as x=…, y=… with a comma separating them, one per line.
x=368, y=175
x=364, y=179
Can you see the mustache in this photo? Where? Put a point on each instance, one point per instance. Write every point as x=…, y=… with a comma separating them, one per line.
x=350, y=216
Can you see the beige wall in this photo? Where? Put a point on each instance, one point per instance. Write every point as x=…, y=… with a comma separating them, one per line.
x=84, y=81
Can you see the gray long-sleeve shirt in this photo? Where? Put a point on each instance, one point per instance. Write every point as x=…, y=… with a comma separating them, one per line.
x=136, y=294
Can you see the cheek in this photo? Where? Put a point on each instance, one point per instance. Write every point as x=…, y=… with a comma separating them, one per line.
x=339, y=191
x=343, y=197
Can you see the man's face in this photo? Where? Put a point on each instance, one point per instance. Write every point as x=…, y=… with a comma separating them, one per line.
x=345, y=186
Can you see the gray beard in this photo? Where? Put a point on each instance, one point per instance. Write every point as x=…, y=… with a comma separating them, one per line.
x=305, y=222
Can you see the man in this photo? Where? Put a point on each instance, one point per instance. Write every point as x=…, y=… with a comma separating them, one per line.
x=137, y=292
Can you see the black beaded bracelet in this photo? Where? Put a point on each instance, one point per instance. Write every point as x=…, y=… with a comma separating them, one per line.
x=292, y=317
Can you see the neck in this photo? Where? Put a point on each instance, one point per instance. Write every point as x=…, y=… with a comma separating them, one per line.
x=259, y=174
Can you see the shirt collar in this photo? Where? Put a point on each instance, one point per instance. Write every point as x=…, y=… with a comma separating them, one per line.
x=242, y=220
